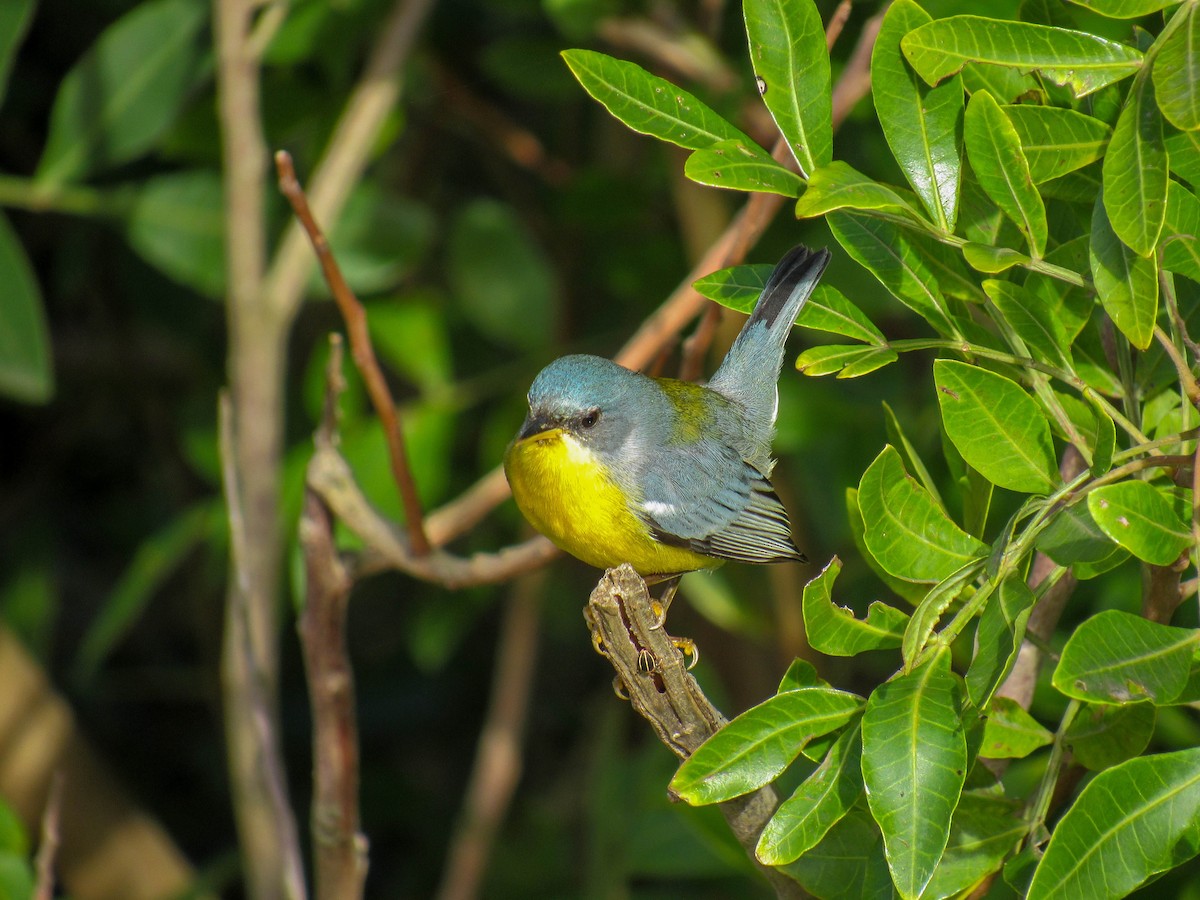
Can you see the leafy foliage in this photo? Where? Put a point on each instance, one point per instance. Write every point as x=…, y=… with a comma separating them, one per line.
x=1060, y=347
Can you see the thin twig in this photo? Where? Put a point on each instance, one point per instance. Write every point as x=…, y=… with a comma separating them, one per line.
x=355, y=317
x=339, y=848
x=497, y=767
x=247, y=685
x=1187, y=381
x=50, y=839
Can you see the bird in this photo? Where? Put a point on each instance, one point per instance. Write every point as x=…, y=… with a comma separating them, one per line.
x=615, y=466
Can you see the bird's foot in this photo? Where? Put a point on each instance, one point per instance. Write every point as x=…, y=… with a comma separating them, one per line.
x=660, y=605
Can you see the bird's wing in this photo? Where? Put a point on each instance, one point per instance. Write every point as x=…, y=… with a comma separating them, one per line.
x=713, y=502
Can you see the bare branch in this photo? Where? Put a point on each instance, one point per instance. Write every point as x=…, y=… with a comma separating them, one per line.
x=497, y=766
x=50, y=838
x=355, y=317
x=653, y=672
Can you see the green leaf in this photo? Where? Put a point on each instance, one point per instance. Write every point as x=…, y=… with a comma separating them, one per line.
x=1183, y=155
x=1035, y=324
x=922, y=125
x=817, y=804
x=26, y=372
x=997, y=427
x=998, y=639
x=1003, y=172
x=1176, y=72
x=932, y=607
x=1010, y=732
x=791, y=66
x=15, y=16
x=1117, y=657
x=908, y=454
x=991, y=260
x=1055, y=140
x=1128, y=824
x=760, y=743
x=649, y=104
x=848, y=360
x=1138, y=517
x=1103, y=735
x=839, y=186
x=500, y=275
x=906, y=531
x=914, y=765
x=160, y=555
x=848, y=864
x=1126, y=282
x=739, y=166
x=834, y=630
x=1135, y=171
x=913, y=593
x=177, y=223
x=1073, y=537
x=800, y=674
x=16, y=877
x=1083, y=62
x=887, y=253
x=984, y=831
x=1181, y=233
x=117, y=101
x=738, y=287
x=1124, y=9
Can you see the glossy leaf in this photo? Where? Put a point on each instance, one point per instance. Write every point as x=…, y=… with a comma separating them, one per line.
x=1033, y=322
x=1105, y=441
x=1103, y=735
x=1128, y=824
x=1135, y=171
x=1124, y=9
x=933, y=606
x=848, y=360
x=738, y=288
x=791, y=66
x=125, y=92
x=649, y=104
x=1183, y=155
x=848, y=864
x=1055, y=140
x=888, y=254
x=914, y=765
x=26, y=372
x=834, y=630
x=1126, y=283
x=906, y=531
x=1117, y=657
x=800, y=674
x=922, y=125
x=1176, y=71
x=839, y=186
x=908, y=454
x=177, y=223
x=1010, y=732
x=991, y=260
x=1137, y=516
x=997, y=427
x=760, y=743
x=1083, y=62
x=15, y=16
x=984, y=831
x=817, y=804
x=1181, y=232
x=998, y=639
x=739, y=166
x=913, y=593
x=1003, y=172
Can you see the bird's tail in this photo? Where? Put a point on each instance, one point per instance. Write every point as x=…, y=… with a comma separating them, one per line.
x=752, y=365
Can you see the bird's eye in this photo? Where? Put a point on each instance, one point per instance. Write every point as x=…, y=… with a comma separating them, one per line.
x=590, y=418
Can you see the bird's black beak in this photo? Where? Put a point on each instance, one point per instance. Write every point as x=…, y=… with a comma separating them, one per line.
x=534, y=424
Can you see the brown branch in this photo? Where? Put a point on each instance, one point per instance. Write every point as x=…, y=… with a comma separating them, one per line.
x=50, y=839
x=339, y=848
x=387, y=546
x=653, y=672
x=260, y=759
x=497, y=766
x=355, y=317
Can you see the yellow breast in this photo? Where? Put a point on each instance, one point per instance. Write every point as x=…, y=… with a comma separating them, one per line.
x=566, y=494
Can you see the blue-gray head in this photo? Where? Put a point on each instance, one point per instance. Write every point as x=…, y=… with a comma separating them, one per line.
x=596, y=401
